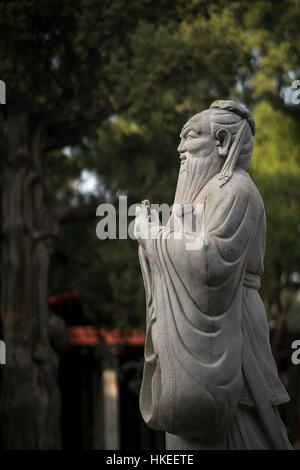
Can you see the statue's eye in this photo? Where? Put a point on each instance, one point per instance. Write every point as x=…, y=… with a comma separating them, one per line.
x=191, y=135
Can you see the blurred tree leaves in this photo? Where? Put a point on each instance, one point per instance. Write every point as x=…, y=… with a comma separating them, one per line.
x=145, y=67
x=177, y=67
x=167, y=68
x=275, y=169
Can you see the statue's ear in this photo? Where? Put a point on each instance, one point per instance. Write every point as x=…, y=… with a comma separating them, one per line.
x=223, y=141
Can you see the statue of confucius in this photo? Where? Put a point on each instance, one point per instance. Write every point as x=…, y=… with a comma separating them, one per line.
x=210, y=380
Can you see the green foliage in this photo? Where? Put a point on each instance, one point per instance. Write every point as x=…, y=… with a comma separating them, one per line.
x=275, y=169
x=177, y=68
x=274, y=35
x=134, y=72
x=166, y=70
x=66, y=45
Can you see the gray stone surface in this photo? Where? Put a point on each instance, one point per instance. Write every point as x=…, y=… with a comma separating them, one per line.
x=210, y=380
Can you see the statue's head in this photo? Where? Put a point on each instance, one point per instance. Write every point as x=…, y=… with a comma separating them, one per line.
x=216, y=140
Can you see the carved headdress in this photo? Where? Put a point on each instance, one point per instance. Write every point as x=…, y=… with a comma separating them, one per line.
x=242, y=145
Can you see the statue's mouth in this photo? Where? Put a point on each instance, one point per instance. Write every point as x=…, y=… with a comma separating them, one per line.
x=182, y=157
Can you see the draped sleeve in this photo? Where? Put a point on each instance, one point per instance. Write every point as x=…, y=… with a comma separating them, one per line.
x=192, y=378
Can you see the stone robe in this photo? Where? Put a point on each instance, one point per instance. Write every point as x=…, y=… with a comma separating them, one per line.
x=210, y=380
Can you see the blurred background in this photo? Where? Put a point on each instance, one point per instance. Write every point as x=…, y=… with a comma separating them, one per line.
x=96, y=95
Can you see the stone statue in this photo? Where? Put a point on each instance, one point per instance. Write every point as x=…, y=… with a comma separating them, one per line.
x=210, y=380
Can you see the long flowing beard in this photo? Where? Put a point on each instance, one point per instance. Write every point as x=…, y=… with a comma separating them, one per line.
x=194, y=173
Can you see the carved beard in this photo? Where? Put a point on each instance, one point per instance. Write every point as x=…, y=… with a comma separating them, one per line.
x=194, y=173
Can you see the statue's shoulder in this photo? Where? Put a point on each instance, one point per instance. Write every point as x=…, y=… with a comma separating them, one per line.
x=243, y=183
x=240, y=185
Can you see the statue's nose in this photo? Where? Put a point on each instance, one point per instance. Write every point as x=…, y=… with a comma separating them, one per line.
x=182, y=147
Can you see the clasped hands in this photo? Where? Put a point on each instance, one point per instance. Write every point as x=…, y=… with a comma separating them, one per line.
x=147, y=223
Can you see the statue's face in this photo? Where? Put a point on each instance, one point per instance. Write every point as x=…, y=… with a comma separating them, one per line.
x=200, y=159
x=196, y=138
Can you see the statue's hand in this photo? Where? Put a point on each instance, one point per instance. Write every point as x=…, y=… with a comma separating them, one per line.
x=146, y=223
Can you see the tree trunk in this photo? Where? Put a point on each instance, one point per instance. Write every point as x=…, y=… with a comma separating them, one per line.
x=29, y=390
